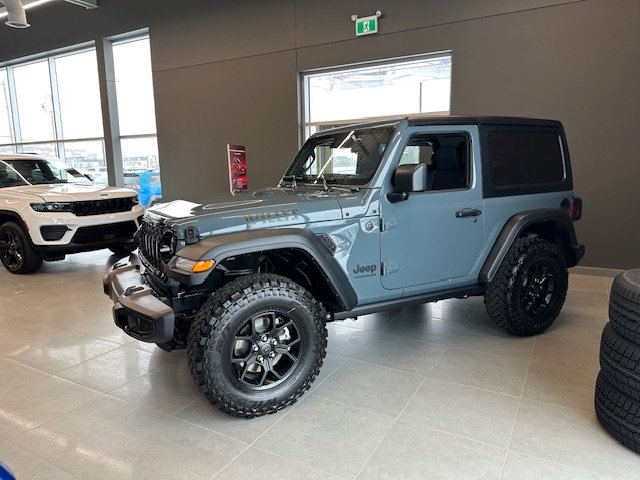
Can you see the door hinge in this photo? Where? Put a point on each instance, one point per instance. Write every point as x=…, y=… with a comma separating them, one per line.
x=387, y=268
x=388, y=224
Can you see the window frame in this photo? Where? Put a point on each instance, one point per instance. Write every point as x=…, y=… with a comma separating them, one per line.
x=490, y=190
x=304, y=96
x=132, y=37
x=470, y=170
x=59, y=140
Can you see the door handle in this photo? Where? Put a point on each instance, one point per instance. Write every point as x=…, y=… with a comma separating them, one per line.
x=468, y=212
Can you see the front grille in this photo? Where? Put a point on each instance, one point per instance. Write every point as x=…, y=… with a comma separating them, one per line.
x=100, y=207
x=157, y=246
x=103, y=233
x=53, y=233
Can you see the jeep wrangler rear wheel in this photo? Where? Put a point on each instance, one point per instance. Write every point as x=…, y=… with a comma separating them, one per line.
x=16, y=252
x=257, y=345
x=529, y=289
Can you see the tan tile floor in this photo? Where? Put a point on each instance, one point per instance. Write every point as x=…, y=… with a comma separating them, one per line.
x=430, y=392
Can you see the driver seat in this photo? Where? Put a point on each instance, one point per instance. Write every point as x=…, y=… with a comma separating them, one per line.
x=449, y=169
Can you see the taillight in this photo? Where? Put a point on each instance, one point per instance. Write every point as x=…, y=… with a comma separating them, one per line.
x=576, y=209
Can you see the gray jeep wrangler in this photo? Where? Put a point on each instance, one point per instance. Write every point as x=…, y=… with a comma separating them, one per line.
x=367, y=218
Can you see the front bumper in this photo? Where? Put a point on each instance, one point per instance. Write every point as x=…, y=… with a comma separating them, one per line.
x=80, y=229
x=136, y=308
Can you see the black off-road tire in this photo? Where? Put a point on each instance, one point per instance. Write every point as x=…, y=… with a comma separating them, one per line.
x=506, y=295
x=618, y=413
x=620, y=362
x=16, y=252
x=215, y=331
x=624, y=305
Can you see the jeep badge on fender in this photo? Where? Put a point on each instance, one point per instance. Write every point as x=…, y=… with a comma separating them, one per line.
x=365, y=269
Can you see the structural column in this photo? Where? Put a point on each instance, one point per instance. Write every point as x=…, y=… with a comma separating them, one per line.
x=110, y=122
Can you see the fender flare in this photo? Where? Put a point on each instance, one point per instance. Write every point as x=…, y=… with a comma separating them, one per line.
x=15, y=215
x=221, y=247
x=562, y=224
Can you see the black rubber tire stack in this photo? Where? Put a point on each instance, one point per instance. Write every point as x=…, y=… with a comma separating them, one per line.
x=617, y=399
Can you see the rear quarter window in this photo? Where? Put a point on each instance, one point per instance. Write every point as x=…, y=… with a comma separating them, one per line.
x=525, y=157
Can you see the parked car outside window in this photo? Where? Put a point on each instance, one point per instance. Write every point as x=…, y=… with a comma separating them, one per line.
x=147, y=184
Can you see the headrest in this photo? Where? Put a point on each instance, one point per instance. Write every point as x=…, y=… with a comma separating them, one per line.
x=447, y=158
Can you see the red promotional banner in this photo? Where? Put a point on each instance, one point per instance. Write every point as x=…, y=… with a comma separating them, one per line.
x=237, y=167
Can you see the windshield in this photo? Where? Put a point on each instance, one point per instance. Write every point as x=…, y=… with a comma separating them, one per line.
x=344, y=158
x=37, y=171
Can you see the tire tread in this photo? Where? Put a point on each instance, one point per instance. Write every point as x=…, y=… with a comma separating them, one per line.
x=624, y=305
x=620, y=362
x=618, y=413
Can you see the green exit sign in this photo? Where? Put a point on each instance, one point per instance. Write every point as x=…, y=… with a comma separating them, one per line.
x=366, y=25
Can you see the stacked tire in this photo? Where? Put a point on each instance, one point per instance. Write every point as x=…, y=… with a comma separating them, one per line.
x=617, y=398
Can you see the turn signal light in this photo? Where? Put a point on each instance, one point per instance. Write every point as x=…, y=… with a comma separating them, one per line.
x=202, y=266
x=193, y=266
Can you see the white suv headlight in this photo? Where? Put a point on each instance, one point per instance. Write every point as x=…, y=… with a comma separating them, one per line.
x=52, y=207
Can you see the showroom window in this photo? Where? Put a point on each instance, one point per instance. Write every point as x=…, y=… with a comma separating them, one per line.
x=6, y=122
x=398, y=87
x=136, y=110
x=51, y=106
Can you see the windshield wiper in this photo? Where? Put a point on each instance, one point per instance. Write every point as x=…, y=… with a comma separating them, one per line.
x=324, y=181
x=291, y=178
x=331, y=185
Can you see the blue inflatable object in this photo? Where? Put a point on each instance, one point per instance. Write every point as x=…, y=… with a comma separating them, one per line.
x=5, y=473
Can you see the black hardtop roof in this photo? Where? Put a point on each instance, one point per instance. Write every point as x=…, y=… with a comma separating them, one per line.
x=420, y=120
x=479, y=120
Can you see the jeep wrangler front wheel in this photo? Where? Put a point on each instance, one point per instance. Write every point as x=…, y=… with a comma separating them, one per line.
x=529, y=289
x=257, y=345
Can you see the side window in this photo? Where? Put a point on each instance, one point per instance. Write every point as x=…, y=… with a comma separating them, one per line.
x=414, y=154
x=525, y=157
x=446, y=157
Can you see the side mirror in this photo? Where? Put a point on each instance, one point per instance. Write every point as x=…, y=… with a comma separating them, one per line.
x=408, y=178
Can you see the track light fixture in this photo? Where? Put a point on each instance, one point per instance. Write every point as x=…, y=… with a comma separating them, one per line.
x=16, y=16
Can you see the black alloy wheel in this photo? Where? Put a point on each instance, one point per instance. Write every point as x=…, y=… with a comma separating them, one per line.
x=538, y=287
x=16, y=252
x=265, y=350
x=11, y=250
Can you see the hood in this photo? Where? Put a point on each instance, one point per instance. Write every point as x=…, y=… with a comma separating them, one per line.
x=269, y=208
x=68, y=192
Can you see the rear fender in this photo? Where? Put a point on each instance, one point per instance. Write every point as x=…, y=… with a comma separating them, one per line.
x=555, y=225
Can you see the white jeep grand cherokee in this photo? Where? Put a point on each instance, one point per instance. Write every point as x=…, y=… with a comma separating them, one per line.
x=48, y=210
